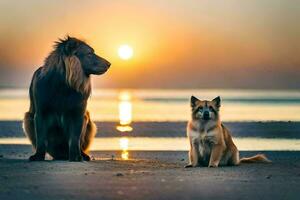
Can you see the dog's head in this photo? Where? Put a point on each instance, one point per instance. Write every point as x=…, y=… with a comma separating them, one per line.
x=77, y=61
x=205, y=110
x=78, y=53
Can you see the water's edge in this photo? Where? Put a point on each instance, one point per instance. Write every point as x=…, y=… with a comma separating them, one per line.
x=284, y=130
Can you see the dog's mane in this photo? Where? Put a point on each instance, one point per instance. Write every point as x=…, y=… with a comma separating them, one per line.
x=62, y=60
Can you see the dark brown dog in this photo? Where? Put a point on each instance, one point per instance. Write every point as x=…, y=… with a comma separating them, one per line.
x=57, y=121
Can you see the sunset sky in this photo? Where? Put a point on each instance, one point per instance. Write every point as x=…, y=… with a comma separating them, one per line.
x=176, y=43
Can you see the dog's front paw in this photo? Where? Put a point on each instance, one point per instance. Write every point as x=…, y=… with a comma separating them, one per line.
x=86, y=157
x=212, y=165
x=37, y=157
x=188, y=166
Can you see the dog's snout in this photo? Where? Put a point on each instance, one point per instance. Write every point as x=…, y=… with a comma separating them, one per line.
x=206, y=115
x=103, y=61
x=106, y=63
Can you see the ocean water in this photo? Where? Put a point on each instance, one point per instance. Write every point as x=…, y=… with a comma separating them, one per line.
x=126, y=106
x=170, y=105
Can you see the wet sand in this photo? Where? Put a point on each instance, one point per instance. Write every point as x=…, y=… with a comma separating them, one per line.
x=149, y=175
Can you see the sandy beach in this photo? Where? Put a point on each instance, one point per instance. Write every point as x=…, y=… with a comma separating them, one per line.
x=150, y=174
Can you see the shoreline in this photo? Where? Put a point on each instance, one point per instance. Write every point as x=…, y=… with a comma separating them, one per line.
x=280, y=129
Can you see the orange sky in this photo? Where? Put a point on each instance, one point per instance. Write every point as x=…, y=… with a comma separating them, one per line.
x=177, y=44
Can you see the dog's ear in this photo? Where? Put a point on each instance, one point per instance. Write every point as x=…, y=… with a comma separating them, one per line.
x=75, y=76
x=194, y=101
x=70, y=46
x=217, y=101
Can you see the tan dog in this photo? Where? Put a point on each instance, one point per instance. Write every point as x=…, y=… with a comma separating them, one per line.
x=211, y=143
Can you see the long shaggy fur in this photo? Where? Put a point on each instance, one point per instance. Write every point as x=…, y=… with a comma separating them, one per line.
x=57, y=121
x=75, y=75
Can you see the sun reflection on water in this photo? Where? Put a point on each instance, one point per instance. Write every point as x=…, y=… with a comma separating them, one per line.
x=125, y=109
x=125, y=112
x=125, y=117
x=124, y=142
x=123, y=128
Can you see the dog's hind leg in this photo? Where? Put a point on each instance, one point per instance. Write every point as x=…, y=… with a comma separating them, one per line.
x=88, y=133
x=233, y=158
x=28, y=122
x=28, y=127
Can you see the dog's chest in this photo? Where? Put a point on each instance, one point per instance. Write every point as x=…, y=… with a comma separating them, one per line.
x=204, y=136
x=206, y=141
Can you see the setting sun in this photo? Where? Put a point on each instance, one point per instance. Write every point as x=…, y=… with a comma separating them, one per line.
x=125, y=52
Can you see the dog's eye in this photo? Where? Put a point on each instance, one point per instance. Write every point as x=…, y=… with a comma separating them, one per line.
x=211, y=108
x=200, y=108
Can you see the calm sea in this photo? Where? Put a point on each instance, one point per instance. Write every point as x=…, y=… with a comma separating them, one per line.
x=171, y=105
x=125, y=106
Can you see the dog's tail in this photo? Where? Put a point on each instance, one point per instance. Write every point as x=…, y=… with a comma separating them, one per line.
x=259, y=158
